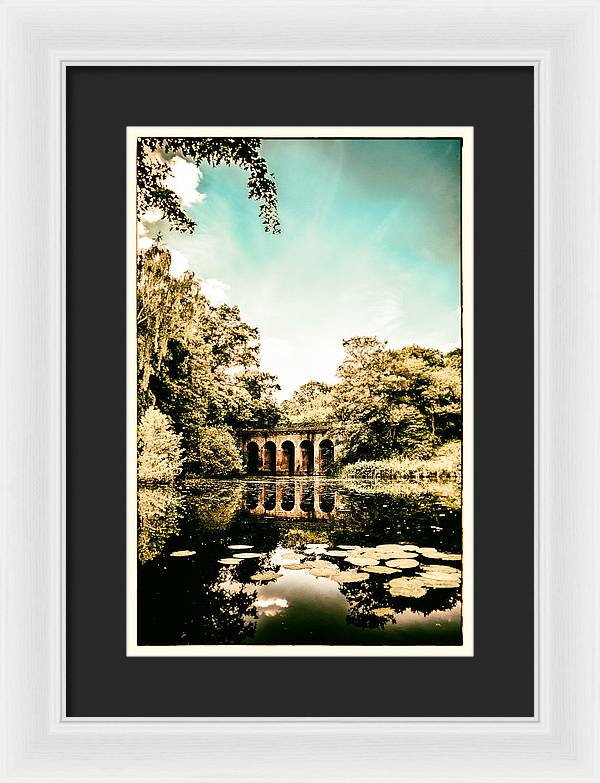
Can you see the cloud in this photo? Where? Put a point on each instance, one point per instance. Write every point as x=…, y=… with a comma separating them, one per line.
x=216, y=291
x=152, y=216
x=270, y=607
x=179, y=264
x=184, y=180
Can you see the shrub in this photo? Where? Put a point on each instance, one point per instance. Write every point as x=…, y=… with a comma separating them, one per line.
x=160, y=455
x=215, y=453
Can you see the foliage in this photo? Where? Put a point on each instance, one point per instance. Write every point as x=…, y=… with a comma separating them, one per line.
x=395, y=402
x=158, y=519
x=153, y=168
x=443, y=464
x=159, y=448
x=165, y=308
x=215, y=453
x=310, y=404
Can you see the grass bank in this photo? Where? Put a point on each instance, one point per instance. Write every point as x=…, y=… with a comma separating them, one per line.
x=444, y=464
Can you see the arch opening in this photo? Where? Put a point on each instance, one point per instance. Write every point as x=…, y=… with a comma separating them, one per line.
x=326, y=457
x=307, y=458
x=289, y=457
x=288, y=500
x=252, y=458
x=270, y=495
x=269, y=450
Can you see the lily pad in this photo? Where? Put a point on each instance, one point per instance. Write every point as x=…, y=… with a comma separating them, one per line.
x=248, y=554
x=348, y=546
x=402, y=563
x=440, y=569
x=349, y=576
x=229, y=561
x=384, y=611
x=240, y=546
x=360, y=560
x=417, y=591
x=438, y=576
x=379, y=569
x=183, y=553
x=336, y=553
x=265, y=576
x=326, y=572
x=443, y=556
x=295, y=566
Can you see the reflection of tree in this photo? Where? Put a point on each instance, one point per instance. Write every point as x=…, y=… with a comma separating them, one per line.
x=196, y=600
x=158, y=509
x=213, y=503
x=365, y=597
x=376, y=519
x=179, y=607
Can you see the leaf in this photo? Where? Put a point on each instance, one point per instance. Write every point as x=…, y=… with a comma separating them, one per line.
x=266, y=576
x=183, y=553
x=402, y=563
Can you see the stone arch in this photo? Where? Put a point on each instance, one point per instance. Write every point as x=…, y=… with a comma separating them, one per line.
x=326, y=456
x=269, y=495
x=288, y=496
x=269, y=460
x=307, y=458
x=252, y=455
x=288, y=451
x=307, y=497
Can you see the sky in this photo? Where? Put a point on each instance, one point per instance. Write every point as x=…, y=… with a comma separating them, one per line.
x=369, y=246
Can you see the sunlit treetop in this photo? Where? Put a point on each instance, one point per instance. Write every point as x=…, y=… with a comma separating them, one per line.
x=153, y=167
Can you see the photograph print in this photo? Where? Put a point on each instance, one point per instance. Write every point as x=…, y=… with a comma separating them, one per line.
x=299, y=391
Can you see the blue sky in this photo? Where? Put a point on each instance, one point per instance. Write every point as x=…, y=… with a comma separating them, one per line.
x=370, y=245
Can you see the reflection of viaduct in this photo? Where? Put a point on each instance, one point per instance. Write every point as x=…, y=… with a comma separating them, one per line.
x=304, y=451
x=291, y=499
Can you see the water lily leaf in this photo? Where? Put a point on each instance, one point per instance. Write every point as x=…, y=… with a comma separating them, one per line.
x=295, y=566
x=349, y=576
x=240, y=546
x=379, y=569
x=417, y=591
x=248, y=554
x=229, y=561
x=402, y=563
x=359, y=560
x=347, y=546
x=336, y=553
x=183, y=553
x=443, y=556
x=265, y=576
x=384, y=611
x=321, y=572
x=438, y=576
x=440, y=569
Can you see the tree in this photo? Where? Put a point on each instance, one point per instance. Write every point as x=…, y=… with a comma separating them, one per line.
x=312, y=403
x=215, y=453
x=159, y=449
x=153, y=168
x=395, y=402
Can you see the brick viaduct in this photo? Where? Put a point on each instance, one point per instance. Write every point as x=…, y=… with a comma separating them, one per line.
x=306, y=451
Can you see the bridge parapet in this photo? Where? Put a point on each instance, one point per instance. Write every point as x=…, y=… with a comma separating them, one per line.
x=289, y=451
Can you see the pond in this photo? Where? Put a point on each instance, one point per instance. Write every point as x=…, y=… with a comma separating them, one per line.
x=299, y=561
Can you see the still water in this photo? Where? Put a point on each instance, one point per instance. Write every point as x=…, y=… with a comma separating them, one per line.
x=299, y=561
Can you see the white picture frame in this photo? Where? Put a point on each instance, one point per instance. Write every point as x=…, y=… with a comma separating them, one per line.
x=559, y=39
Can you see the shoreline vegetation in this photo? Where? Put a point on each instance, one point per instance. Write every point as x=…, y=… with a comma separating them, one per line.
x=395, y=412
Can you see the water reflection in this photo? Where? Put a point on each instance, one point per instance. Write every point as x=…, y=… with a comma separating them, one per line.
x=299, y=561
x=290, y=498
